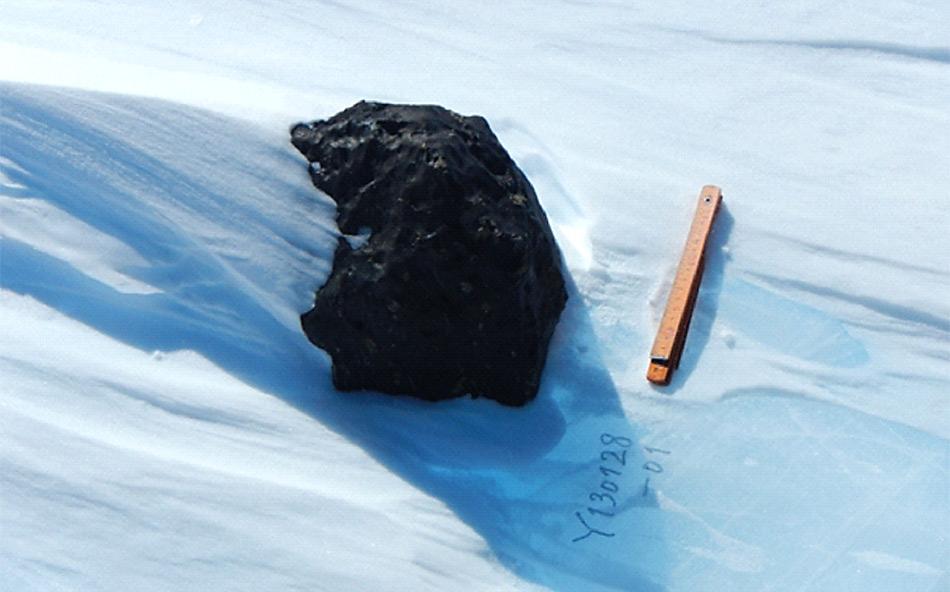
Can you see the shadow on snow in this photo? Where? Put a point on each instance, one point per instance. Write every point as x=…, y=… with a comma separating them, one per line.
x=555, y=488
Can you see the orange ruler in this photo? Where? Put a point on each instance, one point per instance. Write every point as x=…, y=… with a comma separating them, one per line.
x=671, y=336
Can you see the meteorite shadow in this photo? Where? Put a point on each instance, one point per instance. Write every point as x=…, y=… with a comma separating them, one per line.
x=536, y=482
x=530, y=480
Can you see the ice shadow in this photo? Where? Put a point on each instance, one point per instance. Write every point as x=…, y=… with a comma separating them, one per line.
x=707, y=301
x=556, y=488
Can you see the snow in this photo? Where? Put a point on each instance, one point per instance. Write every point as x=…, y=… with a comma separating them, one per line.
x=166, y=425
x=359, y=239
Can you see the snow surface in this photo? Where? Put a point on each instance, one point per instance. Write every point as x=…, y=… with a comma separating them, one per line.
x=164, y=425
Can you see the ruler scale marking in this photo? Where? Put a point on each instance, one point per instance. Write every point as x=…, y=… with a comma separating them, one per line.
x=671, y=335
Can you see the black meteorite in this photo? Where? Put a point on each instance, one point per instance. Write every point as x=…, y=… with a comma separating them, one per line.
x=458, y=287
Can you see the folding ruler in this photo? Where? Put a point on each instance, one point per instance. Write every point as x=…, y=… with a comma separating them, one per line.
x=671, y=336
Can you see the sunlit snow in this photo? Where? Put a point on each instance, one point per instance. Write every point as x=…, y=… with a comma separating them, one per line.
x=165, y=424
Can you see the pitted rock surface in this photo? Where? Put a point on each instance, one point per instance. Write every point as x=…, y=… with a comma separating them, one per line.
x=458, y=288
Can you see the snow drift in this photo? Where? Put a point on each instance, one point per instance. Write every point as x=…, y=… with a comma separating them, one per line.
x=149, y=199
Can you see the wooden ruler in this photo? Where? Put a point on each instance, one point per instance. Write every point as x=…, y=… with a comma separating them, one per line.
x=671, y=336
